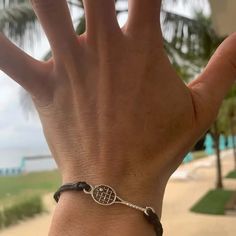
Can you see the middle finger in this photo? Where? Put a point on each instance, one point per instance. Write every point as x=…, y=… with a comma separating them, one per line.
x=101, y=20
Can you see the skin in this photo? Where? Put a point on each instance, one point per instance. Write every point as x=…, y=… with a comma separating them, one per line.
x=113, y=109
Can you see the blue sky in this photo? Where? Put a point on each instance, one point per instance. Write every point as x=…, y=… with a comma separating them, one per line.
x=17, y=132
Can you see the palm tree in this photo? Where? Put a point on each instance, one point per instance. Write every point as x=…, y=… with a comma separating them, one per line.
x=227, y=119
x=193, y=41
x=188, y=41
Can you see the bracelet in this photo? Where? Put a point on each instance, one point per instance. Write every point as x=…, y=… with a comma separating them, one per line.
x=106, y=195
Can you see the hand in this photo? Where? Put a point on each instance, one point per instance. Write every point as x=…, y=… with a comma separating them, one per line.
x=112, y=108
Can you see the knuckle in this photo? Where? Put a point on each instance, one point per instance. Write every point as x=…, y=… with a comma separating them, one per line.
x=45, y=5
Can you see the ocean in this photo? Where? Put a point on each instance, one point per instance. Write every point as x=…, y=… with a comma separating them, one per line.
x=18, y=160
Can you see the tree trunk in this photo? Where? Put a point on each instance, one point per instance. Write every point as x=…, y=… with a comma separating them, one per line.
x=234, y=145
x=219, y=182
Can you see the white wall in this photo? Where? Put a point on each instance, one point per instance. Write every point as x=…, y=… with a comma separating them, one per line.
x=224, y=16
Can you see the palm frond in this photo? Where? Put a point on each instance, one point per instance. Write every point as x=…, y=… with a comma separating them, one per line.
x=27, y=103
x=47, y=56
x=81, y=27
x=191, y=38
x=75, y=3
x=10, y=3
x=16, y=21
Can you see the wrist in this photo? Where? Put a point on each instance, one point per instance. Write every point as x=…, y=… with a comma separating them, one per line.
x=76, y=213
x=142, y=193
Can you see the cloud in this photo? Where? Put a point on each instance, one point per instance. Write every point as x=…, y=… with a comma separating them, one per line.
x=8, y=91
x=15, y=130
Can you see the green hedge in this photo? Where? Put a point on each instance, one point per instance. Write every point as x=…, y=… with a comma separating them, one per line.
x=21, y=210
x=1, y=219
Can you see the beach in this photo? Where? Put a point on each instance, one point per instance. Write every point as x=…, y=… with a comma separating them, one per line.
x=181, y=194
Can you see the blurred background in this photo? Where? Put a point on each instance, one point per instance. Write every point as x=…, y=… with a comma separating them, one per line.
x=201, y=195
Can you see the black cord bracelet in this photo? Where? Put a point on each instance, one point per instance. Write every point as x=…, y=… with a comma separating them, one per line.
x=105, y=195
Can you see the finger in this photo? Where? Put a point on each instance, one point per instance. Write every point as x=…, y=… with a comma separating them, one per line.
x=56, y=21
x=214, y=83
x=143, y=15
x=101, y=20
x=25, y=70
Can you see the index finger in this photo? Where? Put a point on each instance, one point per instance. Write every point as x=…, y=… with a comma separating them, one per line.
x=56, y=21
x=22, y=68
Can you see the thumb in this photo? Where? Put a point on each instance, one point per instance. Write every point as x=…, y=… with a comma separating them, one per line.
x=210, y=88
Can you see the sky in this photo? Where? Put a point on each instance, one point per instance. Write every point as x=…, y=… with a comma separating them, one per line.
x=17, y=130
x=22, y=133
